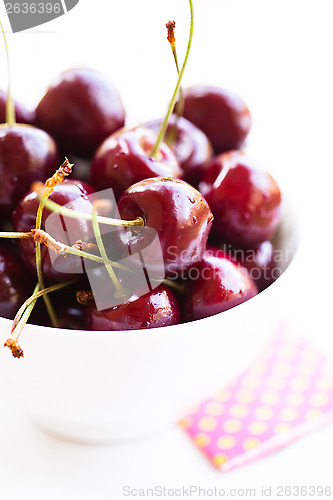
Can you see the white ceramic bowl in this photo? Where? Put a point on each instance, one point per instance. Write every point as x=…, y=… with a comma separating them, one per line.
x=103, y=387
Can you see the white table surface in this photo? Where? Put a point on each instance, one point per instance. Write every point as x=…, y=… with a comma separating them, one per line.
x=278, y=56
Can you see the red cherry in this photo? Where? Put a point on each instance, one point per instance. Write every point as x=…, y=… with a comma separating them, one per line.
x=27, y=154
x=70, y=317
x=24, y=219
x=80, y=109
x=152, y=310
x=177, y=212
x=190, y=146
x=244, y=198
x=216, y=284
x=124, y=159
x=22, y=114
x=15, y=285
x=220, y=114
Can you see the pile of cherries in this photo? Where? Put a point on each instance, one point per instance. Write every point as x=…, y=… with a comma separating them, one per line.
x=201, y=194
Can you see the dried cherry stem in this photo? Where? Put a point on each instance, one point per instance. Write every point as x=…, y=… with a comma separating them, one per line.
x=84, y=296
x=101, y=248
x=10, y=108
x=63, y=171
x=171, y=136
x=44, y=238
x=13, y=235
x=73, y=214
x=164, y=125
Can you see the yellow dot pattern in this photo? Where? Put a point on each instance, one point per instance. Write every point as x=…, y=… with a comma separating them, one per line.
x=226, y=442
x=289, y=385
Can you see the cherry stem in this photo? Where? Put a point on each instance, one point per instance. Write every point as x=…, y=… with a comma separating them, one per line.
x=59, y=176
x=14, y=235
x=10, y=108
x=11, y=342
x=61, y=248
x=164, y=125
x=23, y=315
x=73, y=214
x=39, y=267
x=103, y=253
x=171, y=136
x=34, y=297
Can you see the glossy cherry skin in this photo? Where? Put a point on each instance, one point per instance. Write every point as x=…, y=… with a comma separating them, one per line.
x=220, y=114
x=22, y=114
x=260, y=262
x=15, y=285
x=24, y=219
x=80, y=109
x=124, y=159
x=179, y=215
x=27, y=154
x=152, y=310
x=215, y=284
x=190, y=145
x=244, y=198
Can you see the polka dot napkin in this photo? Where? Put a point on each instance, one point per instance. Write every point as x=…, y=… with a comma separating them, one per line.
x=285, y=393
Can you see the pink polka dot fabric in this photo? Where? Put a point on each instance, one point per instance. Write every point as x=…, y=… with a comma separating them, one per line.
x=285, y=393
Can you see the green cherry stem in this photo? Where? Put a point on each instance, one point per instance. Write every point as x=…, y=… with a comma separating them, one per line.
x=13, y=235
x=103, y=253
x=164, y=125
x=73, y=214
x=63, y=249
x=33, y=299
x=39, y=267
x=10, y=108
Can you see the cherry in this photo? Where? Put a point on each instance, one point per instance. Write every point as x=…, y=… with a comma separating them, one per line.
x=152, y=310
x=24, y=219
x=22, y=114
x=220, y=114
x=124, y=159
x=189, y=144
x=81, y=109
x=177, y=212
x=215, y=284
x=70, y=317
x=27, y=154
x=244, y=198
x=261, y=262
x=15, y=285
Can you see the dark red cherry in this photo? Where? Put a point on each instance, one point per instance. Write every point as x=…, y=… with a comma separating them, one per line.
x=22, y=114
x=190, y=145
x=80, y=109
x=15, y=285
x=220, y=114
x=75, y=195
x=152, y=310
x=27, y=154
x=124, y=159
x=244, y=198
x=70, y=317
x=263, y=262
x=179, y=215
x=215, y=284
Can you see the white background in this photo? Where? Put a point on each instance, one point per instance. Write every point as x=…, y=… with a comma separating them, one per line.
x=278, y=56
